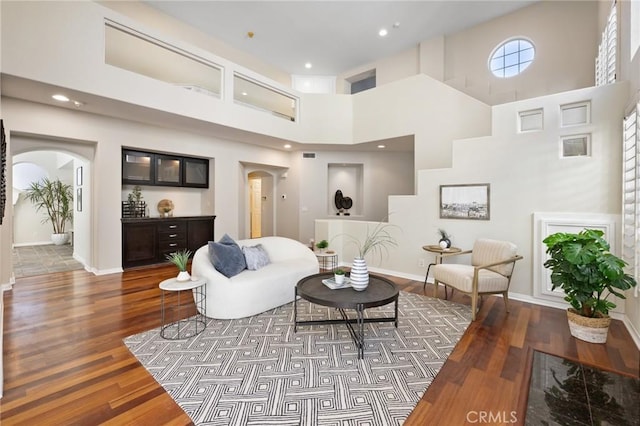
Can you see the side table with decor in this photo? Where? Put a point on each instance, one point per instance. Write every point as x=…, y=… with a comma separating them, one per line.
x=439, y=252
x=177, y=323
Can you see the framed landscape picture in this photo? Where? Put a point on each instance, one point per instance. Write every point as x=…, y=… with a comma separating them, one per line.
x=466, y=201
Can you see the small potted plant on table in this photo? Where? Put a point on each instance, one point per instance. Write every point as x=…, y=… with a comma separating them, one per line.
x=338, y=276
x=322, y=245
x=588, y=273
x=180, y=258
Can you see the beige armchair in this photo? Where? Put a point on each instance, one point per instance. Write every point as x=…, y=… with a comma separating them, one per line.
x=492, y=264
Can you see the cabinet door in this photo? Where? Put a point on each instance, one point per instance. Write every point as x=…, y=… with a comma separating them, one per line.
x=137, y=167
x=195, y=172
x=199, y=233
x=139, y=244
x=168, y=170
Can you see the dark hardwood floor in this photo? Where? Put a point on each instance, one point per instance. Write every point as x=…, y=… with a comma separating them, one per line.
x=65, y=363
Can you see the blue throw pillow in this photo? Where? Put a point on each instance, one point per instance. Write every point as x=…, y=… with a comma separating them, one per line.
x=256, y=257
x=227, y=257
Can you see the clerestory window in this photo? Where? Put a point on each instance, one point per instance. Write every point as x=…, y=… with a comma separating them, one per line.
x=511, y=58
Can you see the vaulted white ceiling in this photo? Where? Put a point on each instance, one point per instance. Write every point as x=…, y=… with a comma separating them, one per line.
x=334, y=36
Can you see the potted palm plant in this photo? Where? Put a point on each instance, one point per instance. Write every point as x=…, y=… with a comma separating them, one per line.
x=588, y=273
x=180, y=258
x=56, y=198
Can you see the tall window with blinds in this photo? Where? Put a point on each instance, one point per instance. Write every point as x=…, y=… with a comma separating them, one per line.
x=631, y=194
x=607, y=50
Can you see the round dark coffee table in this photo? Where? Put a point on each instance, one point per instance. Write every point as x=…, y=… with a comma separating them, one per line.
x=380, y=291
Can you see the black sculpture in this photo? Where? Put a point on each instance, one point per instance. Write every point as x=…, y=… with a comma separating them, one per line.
x=343, y=204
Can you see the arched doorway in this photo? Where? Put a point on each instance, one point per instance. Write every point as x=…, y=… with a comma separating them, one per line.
x=71, y=162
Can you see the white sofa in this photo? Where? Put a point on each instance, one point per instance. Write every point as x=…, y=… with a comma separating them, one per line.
x=252, y=292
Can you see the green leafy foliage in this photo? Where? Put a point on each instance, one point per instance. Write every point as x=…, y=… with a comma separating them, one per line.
x=584, y=268
x=322, y=244
x=180, y=258
x=56, y=198
x=377, y=240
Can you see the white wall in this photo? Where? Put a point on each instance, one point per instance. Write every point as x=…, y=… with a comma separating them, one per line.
x=565, y=35
x=421, y=106
x=60, y=58
x=384, y=174
x=526, y=176
x=110, y=135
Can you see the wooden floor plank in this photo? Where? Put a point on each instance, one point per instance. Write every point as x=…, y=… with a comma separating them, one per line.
x=65, y=362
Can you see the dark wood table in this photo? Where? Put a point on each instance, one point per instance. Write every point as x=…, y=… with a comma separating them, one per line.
x=380, y=291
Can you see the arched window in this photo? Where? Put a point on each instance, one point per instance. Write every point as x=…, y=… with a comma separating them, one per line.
x=511, y=58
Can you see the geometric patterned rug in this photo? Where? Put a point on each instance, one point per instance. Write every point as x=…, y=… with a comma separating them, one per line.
x=257, y=371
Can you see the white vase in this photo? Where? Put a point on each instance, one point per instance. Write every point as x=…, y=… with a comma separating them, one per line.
x=359, y=274
x=60, y=239
x=183, y=276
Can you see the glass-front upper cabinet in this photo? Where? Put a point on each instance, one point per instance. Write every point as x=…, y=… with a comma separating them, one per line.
x=137, y=167
x=164, y=169
x=168, y=170
x=196, y=172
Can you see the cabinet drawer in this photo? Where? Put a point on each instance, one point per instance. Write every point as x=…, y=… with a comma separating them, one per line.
x=172, y=236
x=172, y=227
x=171, y=246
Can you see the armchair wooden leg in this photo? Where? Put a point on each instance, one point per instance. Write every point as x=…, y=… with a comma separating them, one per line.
x=474, y=306
x=505, y=297
x=435, y=288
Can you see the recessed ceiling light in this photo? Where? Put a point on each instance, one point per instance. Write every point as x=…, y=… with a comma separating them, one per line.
x=383, y=32
x=382, y=146
x=244, y=93
x=287, y=146
x=308, y=65
x=61, y=98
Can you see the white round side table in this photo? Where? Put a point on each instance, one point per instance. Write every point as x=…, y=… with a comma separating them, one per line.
x=177, y=323
x=328, y=260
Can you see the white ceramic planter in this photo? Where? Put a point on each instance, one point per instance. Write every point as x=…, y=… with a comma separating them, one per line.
x=60, y=239
x=183, y=276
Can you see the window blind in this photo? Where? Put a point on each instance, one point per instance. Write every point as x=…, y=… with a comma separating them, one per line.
x=631, y=194
x=606, y=59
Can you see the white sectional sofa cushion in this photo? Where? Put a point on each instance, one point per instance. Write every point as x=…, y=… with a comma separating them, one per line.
x=252, y=292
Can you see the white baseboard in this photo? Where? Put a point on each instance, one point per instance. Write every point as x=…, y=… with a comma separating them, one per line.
x=35, y=243
x=105, y=271
x=635, y=334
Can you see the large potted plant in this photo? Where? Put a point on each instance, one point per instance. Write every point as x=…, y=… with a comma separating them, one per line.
x=588, y=273
x=56, y=198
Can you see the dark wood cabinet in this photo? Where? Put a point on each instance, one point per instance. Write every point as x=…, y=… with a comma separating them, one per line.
x=164, y=169
x=139, y=241
x=146, y=241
